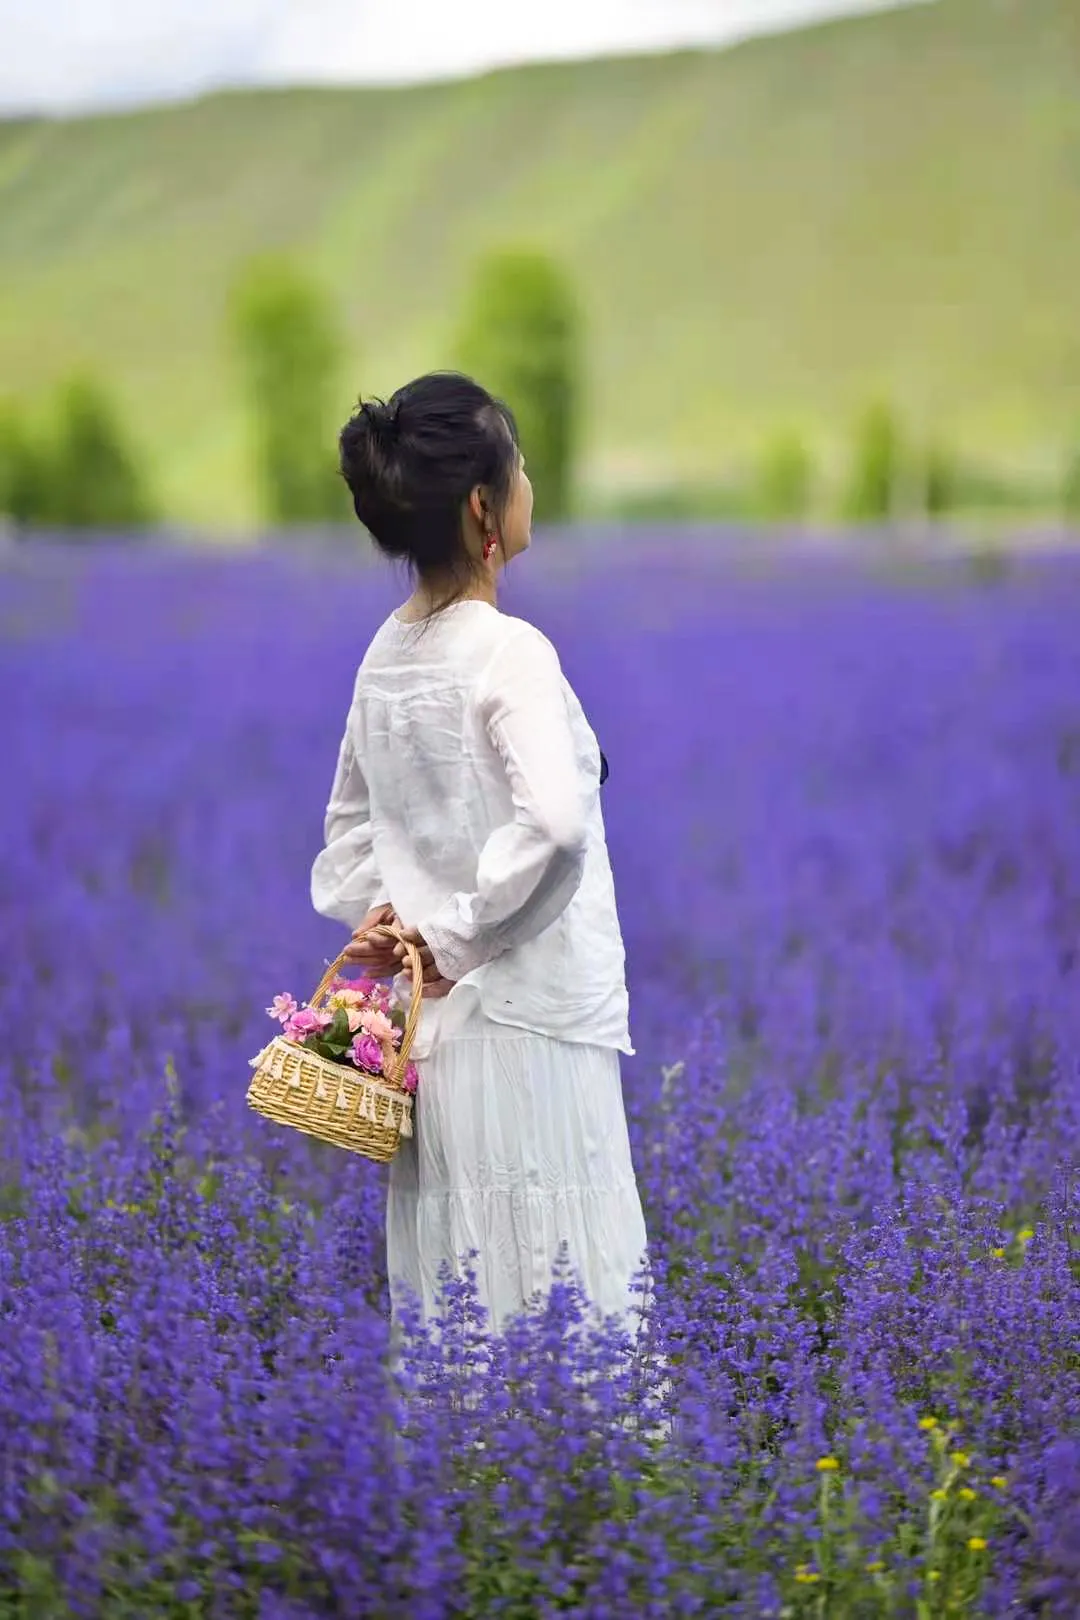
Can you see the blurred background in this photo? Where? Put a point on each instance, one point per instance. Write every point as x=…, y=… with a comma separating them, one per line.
x=766, y=260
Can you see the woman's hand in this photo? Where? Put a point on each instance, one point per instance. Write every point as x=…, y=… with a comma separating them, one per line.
x=383, y=958
x=435, y=986
x=380, y=958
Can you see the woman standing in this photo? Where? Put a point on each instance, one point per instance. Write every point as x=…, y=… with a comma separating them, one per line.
x=466, y=809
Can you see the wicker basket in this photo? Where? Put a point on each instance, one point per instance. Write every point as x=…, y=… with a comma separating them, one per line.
x=341, y=1105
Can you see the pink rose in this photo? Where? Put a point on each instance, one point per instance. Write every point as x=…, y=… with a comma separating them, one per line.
x=367, y=1054
x=306, y=1022
x=377, y=1024
x=411, y=1078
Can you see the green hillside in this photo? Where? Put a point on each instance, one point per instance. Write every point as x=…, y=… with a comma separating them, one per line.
x=888, y=204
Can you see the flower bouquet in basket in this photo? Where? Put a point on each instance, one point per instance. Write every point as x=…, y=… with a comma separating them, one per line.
x=340, y=1070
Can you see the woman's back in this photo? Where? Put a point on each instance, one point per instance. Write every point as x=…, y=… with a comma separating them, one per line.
x=462, y=727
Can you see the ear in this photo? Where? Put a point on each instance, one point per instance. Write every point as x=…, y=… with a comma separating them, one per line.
x=478, y=505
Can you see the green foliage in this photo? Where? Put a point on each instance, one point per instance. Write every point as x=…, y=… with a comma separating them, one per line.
x=25, y=474
x=1070, y=488
x=942, y=482
x=874, y=477
x=521, y=338
x=96, y=481
x=950, y=483
x=334, y=1041
x=675, y=503
x=785, y=478
x=82, y=475
x=290, y=351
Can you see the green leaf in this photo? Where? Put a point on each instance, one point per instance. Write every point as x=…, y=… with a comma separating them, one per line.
x=338, y=1033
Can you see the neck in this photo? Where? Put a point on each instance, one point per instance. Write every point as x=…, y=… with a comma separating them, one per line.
x=431, y=595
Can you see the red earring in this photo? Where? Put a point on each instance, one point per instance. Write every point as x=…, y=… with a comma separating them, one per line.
x=489, y=547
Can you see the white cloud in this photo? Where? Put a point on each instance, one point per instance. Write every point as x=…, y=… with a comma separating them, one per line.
x=75, y=53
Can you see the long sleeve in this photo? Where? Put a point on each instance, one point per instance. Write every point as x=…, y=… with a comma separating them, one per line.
x=345, y=881
x=530, y=868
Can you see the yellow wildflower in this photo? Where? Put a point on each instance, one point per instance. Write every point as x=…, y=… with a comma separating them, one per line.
x=938, y=1495
x=934, y=1575
x=998, y=1254
x=875, y=1566
x=961, y=1459
x=998, y=1481
x=826, y=1465
x=807, y=1577
x=928, y=1423
x=978, y=1543
x=967, y=1494
x=1025, y=1234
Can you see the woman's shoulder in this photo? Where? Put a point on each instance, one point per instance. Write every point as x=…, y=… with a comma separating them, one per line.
x=522, y=632
x=516, y=644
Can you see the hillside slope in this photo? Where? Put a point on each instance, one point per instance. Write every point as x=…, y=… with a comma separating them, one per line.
x=761, y=235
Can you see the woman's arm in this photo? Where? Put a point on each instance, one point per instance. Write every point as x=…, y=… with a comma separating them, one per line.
x=530, y=868
x=345, y=881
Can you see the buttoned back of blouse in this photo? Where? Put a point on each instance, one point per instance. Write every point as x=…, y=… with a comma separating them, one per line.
x=467, y=796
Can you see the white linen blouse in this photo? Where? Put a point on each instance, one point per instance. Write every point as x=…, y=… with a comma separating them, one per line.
x=467, y=796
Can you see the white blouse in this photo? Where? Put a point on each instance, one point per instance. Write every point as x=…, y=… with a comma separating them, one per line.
x=467, y=795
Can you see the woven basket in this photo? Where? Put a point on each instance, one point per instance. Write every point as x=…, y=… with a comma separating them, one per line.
x=338, y=1104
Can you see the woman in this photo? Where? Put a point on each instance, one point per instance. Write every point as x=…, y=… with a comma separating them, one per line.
x=465, y=808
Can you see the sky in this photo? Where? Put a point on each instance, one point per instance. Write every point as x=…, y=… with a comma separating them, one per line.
x=67, y=55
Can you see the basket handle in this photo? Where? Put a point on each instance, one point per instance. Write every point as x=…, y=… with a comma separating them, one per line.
x=400, y=1056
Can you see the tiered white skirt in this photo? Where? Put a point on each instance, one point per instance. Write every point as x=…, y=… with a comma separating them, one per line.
x=520, y=1149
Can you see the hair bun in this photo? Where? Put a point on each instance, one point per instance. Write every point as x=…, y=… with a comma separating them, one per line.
x=382, y=420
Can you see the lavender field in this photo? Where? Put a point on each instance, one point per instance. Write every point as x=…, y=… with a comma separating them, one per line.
x=844, y=814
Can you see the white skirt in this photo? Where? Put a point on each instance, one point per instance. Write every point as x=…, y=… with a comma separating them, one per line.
x=520, y=1149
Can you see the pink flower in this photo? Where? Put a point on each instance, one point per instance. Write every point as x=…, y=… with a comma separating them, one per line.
x=306, y=1022
x=367, y=1053
x=348, y=998
x=411, y=1078
x=359, y=987
x=377, y=1023
x=282, y=1008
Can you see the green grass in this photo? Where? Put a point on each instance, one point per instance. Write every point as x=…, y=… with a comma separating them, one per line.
x=764, y=236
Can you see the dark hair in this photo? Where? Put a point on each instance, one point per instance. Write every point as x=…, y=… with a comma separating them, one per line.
x=411, y=462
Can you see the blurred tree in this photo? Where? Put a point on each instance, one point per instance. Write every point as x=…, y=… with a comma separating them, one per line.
x=874, y=478
x=1070, y=489
x=290, y=352
x=95, y=480
x=942, y=482
x=26, y=482
x=785, y=478
x=521, y=337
